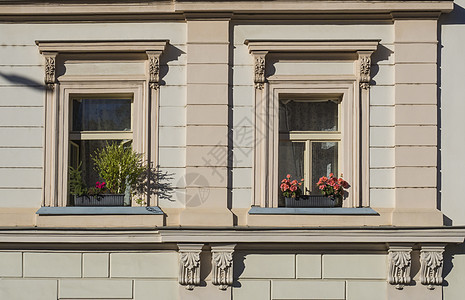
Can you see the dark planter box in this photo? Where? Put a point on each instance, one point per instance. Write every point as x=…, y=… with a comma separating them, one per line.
x=100, y=200
x=311, y=201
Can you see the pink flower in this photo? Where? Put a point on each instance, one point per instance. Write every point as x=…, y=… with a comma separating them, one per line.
x=293, y=188
x=288, y=176
x=321, y=187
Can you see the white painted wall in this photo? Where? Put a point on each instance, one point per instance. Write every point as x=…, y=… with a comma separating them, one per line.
x=452, y=111
x=452, y=140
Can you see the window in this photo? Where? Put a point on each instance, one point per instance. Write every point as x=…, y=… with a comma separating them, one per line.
x=97, y=92
x=95, y=121
x=309, y=139
x=311, y=114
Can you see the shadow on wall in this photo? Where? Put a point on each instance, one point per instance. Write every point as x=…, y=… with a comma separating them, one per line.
x=23, y=81
x=457, y=16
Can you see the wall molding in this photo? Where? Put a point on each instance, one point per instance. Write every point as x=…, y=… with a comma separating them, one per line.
x=369, y=236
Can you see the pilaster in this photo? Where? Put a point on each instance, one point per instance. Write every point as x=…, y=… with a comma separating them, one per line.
x=415, y=52
x=207, y=179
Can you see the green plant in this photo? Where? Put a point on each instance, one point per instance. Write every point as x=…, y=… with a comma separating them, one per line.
x=119, y=166
x=76, y=182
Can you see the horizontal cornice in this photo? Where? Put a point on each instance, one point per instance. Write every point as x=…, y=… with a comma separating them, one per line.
x=176, y=9
x=134, y=46
x=446, y=235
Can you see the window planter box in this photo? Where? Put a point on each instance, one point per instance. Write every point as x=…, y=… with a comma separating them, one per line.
x=312, y=201
x=100, y=200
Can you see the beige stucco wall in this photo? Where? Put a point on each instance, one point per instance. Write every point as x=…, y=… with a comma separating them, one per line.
x=207, y=74
x=191, y=117
x=134, y=275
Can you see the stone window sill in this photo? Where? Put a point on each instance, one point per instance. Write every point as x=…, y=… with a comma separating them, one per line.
x=312, y=211
x=151, y=210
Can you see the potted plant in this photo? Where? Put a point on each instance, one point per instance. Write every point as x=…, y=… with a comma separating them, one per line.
x=122, y=170
x=333, y=188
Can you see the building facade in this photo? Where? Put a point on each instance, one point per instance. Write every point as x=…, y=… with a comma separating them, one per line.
x=227, y=98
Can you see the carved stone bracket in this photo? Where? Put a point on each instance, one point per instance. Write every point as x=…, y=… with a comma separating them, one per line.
x=189, y=265
x=400, y=263
x=222, y=265
x=154, y=68
x=365, y=68
x=431, y=260
x=50, y=69
x=259, y=69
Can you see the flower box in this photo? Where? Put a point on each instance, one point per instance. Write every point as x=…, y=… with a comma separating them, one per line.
x=311, y=201
x=100, y=200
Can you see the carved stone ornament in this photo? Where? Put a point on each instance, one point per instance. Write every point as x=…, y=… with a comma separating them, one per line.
x=365, y=66
x=189, y=266
x=259, y=72
x=400, y=262
x=222, y=262
x=154, y=70
x=50, y=72
x=431, y=267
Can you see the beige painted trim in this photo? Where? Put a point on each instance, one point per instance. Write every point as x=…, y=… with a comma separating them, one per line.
x=135, y=88
x=85, y=47
x=170, y=8
x=143, y=87
x=369, y=236
x=348, y=131
x=311, y=46
x=355, y=99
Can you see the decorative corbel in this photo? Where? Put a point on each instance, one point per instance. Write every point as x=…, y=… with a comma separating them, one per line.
x=431, y=260
x=50, y=69
x=189, y=265
x=222, y=265
x=154, y=68
x=365, y=68
x=400, y=262
x=259, y=69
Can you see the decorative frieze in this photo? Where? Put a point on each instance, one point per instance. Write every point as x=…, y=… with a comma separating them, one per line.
x=431, y=260
x=154, y=69
x=400, y=262
x=50, y=69
x=189, y=265
x=222, y=265
x=365, y=67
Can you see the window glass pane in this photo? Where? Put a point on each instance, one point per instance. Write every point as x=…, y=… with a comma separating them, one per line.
x=308, y=116
x=83, y=150
x=291, y=161
x=101, y=114
x=324, y=161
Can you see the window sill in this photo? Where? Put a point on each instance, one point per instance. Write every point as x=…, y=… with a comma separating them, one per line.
x=151, y=210
x=312, y=211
